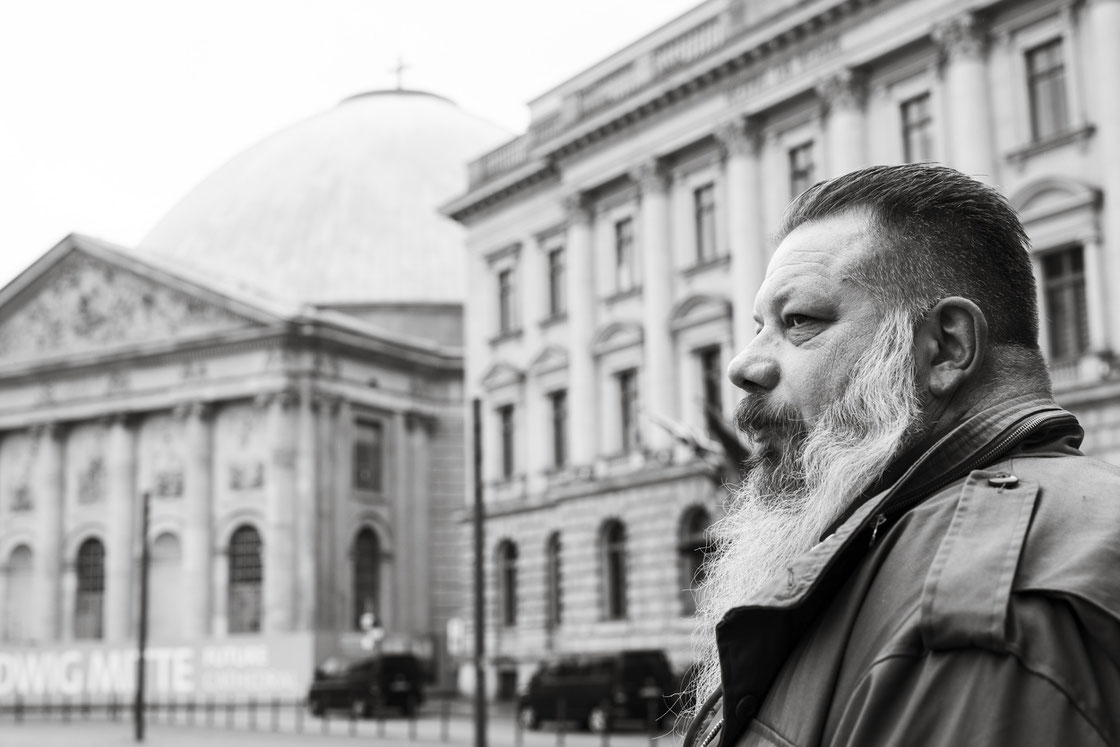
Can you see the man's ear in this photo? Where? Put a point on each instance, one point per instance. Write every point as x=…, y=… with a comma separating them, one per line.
x=951, y=345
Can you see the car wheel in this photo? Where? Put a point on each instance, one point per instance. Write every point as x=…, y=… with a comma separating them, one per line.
x=527, y=717
x=598, y=720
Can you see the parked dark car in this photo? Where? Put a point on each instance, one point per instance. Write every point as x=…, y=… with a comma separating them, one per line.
x=597, y=691
x=363, y=686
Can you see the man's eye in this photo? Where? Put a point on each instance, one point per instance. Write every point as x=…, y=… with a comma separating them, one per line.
x=793, y=321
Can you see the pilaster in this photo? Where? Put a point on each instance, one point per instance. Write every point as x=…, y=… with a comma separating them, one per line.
x=48, y=506
x=581, y=321
x=963, y=42
x=843, y=96
x=742, y=143
x=121, y=509
x=326, y=408
x=657, y=299
x=307, y=511
x=419, y=428
x=280, y=541
x=200, y=589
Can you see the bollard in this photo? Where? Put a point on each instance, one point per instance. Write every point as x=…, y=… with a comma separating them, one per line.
x=651, y=719
x=561, y=721
x=412, y=725
x=299, y=716
x=19, y=709
x=65, y=710
x=445, y=719
x=190, y=712
x=324, y=727
x=353, y=719
x=209, y=707
x=380, y=716
x=229, y=714
x=252, y=714
x=276, y=714
x=605, y=736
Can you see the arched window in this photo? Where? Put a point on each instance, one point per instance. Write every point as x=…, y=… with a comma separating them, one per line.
x=553, y=600
x=89, y=601
x=612, y=542
x=245, y=575
x=507, y=583
x=692, y=545
x=19, y=607
x=165, y=586
x=367, y=571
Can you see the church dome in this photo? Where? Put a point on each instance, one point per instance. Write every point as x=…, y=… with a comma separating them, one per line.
x=340, y=208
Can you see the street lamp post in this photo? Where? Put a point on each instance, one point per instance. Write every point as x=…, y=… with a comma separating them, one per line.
x=142, y=633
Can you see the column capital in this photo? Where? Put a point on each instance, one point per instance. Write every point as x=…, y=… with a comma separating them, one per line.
x=283, y=398
x=844, y=89
x=326, y=402
x=962, y=36
x=122, y=419
x=577, y=208
x=741, y=136
x=650, y=176
x=53, y=430
x=196, y=410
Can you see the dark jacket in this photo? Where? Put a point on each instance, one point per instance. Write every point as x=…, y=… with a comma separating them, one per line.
x=974, y=602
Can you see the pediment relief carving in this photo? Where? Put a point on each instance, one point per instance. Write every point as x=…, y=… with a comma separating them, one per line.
x=502, y=375
x=699, y=309
x=551, y=358
x=617, y=335
x=84, y=303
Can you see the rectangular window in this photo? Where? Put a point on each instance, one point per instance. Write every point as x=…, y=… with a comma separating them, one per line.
x=559, y=401
x=506, y=322
x=557, y=298
x=917, y=129
x=704, y=215
x=800, y=168
x=505, y=424
x=624, y=260
x=628, y=409
x=711, y=378
x=1067, y=317
x=368, y=461
x=1046, y=85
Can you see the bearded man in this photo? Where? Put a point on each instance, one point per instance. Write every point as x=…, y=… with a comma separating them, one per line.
x=919, y=554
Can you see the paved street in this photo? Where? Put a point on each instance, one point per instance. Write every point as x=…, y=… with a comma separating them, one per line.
x=425, y=732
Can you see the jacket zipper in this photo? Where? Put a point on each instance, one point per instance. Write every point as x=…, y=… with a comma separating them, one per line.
x=995, y=449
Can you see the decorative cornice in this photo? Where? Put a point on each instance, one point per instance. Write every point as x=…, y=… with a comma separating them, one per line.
x=961, y=37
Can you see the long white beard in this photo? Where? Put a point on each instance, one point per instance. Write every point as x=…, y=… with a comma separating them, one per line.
x=794, y=491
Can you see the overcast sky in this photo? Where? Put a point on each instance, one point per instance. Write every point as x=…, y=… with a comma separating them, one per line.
x=111, y=110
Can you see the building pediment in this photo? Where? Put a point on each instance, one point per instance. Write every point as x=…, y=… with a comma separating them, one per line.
x=1052, y=196
x=84, y=298
x=552, y=358
x=502, y=375
x=615, y=336
x=699, y=309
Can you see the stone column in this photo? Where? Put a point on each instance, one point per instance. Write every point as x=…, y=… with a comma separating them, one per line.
x=843, y=95
x=121, y=508
x=1103, y=26
x=741, y=141
x=280, y=540
x=307, y=511
x=200, y=587
x=68, y=597
x=326, y=410
x=402, y=590
x=342, y=438
x=1096, y=301
x=963, y=44
x=657, y=302
x=581, y=328
x=48, y=497
x=419, y=429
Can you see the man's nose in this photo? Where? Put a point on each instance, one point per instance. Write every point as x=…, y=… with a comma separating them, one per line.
x=751, y=369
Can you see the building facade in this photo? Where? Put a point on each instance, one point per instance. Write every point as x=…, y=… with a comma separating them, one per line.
x=615, y=249
x=279, y=368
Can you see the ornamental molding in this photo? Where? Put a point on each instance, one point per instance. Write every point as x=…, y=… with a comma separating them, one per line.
x=741, y=136
x=86, y=304
x=961, y=37
x=843, y=90
x=651, y=177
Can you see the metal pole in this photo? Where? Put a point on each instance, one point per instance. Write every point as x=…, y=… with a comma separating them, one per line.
x=479, y=589
x=142, y=634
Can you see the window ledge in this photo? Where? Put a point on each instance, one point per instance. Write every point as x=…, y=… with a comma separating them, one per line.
x=722, y=260
x=554, y=319
x=623, y=295
x=1079, y=135
x=507, y=336
x=1090, y=368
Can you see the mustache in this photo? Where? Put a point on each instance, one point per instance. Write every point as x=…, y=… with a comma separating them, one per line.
x=754, y=415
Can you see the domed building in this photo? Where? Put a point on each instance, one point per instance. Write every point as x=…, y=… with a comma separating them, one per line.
x=278, y=365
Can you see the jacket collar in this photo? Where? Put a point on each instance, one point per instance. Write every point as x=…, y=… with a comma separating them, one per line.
x=754, y=640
